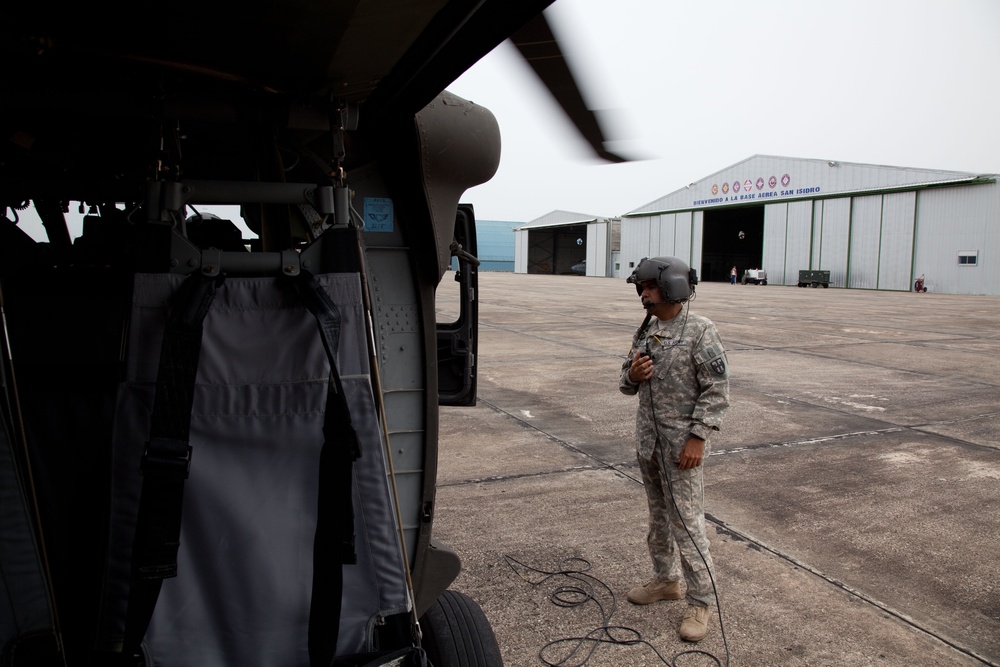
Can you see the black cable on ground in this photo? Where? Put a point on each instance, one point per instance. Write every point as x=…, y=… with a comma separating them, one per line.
x=577, y=651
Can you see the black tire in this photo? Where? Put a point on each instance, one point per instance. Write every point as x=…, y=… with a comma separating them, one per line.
x=826, y=285
x=456, y=633
x=815, y=285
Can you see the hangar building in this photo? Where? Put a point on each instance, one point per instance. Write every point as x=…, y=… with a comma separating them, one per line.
x=870, y=226
x=559, y=241
x=494, y=245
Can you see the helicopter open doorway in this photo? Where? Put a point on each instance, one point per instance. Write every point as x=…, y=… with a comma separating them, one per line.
x=732, y=237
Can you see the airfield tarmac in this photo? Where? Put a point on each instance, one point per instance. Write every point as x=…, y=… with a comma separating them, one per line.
x=853, y=494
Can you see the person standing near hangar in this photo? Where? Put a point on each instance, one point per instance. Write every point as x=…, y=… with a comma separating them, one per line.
x=677, y=366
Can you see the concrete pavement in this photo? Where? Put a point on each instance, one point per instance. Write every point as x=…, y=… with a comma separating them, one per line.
x=853, y=493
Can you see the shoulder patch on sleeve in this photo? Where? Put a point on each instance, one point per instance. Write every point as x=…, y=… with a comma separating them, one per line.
x=705, y=354
x=718, y=365
x=714, y=356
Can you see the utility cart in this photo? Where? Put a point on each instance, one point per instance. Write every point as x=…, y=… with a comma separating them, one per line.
x=814, y=278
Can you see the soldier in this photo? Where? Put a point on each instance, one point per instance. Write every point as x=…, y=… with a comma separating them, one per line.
x=677, y=365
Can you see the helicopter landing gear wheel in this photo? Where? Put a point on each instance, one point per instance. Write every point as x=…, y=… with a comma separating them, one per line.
x=456, y=633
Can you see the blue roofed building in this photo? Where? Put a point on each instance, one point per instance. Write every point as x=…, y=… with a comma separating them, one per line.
x=495, y=244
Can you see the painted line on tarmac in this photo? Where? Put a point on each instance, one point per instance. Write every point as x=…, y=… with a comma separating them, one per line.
x=722, y=527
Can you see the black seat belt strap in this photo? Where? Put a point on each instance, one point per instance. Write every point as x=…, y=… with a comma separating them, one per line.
x=167, y=457
x=333, y=546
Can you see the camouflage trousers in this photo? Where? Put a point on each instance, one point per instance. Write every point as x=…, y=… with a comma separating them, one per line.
x=678, y=543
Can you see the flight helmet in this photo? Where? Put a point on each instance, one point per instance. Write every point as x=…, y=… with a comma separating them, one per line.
x=675, y=279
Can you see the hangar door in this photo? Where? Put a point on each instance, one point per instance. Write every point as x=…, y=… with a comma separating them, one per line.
x=554, y=250
x=732, y=237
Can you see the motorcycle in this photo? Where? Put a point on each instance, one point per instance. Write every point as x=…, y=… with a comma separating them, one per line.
x=918, y=285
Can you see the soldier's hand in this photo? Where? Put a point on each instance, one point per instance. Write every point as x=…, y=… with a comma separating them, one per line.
x=641, y=368
x=692, y=454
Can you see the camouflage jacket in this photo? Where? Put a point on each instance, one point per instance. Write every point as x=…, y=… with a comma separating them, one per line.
x=689, y=391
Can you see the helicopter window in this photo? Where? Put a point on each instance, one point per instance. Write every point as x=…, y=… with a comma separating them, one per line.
x=30, y=222
x=448, y=295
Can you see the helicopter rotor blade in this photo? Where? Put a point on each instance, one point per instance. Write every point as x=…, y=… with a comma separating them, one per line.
x=539, y=47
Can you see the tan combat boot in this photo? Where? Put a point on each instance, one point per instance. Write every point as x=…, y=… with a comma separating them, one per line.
x=694, y=627
x=654, y=591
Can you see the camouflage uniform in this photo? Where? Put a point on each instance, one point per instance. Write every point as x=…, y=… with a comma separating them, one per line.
x=687, y=395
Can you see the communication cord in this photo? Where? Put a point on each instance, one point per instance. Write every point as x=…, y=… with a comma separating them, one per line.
x=577, y=651
x=585, y=587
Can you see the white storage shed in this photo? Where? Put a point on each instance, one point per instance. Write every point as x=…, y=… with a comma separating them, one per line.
x=562, y=242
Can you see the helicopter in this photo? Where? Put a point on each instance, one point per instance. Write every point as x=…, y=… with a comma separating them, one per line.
x=220, y=448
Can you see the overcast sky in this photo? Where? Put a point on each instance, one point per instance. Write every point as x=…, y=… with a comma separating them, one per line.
x=699, y=86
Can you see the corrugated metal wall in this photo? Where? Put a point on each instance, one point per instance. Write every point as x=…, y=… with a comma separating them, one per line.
x=870, y=242
x=896, y=248
x=495, y=242
x=521, y=251
x=951, y=220
x=697, y=240
x=816, y=248
x=635, y=242
x=773, y=252
x=835, y=241
x=670, y=234
x=798, y=241
x=598, y=251
x=866, y=223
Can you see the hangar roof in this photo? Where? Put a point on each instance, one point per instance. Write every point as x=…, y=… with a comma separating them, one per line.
x=560, y=219
x=762, y=179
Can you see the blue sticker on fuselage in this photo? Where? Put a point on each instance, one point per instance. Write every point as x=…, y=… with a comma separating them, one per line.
x=378, y=214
